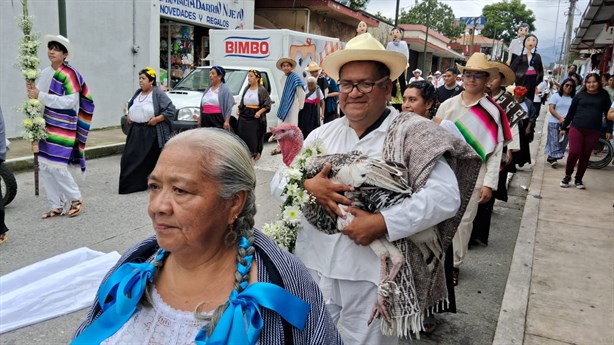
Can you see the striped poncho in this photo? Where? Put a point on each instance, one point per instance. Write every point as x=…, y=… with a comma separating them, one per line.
x=67, y=129
x=483, y=126
x=287, y=97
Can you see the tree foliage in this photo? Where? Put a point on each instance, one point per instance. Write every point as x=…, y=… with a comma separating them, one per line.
x=435, y=15
x=355, y=4
x=503, y=18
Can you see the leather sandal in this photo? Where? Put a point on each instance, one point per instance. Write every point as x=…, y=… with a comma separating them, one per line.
x=75, y=208
x=55, y=212
x=3, y=238
x=276, y=151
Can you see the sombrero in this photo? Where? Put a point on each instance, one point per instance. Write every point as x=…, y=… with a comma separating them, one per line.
x=312, y=67
x=508, y=74
x=364, y=48
x=61, y=40
x=478, y=62
x=285, y=59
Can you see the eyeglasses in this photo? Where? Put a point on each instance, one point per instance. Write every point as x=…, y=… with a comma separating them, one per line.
x=363, y=87
x=477, y=76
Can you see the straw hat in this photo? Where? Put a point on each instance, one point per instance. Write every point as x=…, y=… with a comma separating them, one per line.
x=478, y=62
x=61, y=40
x=312, y=67
x=417, y=70
x=364, y=48
x=508, y=74
x=285, y=59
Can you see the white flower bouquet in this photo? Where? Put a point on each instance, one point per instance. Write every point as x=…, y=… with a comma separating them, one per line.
x=284, y=230
x=34, y=124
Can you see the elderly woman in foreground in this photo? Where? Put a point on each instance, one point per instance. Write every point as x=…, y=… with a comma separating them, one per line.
x=207, y=276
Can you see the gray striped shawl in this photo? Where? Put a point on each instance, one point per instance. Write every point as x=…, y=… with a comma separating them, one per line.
x=418, y=143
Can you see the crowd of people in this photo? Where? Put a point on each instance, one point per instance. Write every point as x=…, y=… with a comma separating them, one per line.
x=208, y=275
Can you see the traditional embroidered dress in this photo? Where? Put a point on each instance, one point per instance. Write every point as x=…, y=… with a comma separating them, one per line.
x=274, y=266
x=67, y=128
x=290, y=98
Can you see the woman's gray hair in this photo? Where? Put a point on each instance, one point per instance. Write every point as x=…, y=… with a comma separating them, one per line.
x=225, y=159
x=312, y=80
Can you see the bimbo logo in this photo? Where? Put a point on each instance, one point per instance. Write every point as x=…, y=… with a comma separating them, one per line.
x=247, y=47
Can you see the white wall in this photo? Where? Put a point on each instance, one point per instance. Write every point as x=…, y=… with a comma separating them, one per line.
x=103, y=36
x=101, y=33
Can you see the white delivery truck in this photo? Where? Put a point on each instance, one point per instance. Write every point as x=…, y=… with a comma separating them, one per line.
x=238, y=51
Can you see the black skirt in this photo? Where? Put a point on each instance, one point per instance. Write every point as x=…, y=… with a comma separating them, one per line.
x=308, y=119
x=212, y=120
x=252, y=130
x=139, y=158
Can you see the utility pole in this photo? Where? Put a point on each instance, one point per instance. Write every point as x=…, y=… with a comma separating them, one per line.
x=396, y=15
x=426, y=38
x=569, y=32
x=62, y=17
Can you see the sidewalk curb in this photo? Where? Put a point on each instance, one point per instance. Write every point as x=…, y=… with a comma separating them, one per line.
x=512, y=316
x=27, y=163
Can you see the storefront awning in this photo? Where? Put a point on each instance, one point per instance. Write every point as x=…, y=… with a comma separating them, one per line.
x=417, y=44
x=596, y=29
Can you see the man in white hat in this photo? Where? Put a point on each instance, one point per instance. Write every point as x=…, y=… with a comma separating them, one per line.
x=346, y=269
x=292, y=97
x=417, y=75
x=68, y=112
x=437, y=79
x=485, y=127
x=315, y=71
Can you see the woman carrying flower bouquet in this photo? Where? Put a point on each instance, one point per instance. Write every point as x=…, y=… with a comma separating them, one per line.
x=68, y=112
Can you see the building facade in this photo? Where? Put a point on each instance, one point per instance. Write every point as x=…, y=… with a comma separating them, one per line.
x=170, y=36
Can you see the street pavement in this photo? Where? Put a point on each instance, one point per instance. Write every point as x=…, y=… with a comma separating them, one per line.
x=551, y=315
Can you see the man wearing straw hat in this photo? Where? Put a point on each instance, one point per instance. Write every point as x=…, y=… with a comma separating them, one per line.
x=292, y=97
x=68, y=112
x=346, y=269
x=485, y=127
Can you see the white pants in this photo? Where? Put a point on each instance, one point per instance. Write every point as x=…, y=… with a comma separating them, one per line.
x=292, y=116
x=349, y=304
x=460, y=242
x=59, y=185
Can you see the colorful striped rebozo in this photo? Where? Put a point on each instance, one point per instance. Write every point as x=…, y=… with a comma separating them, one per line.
x=484, y=126
x=67, y=130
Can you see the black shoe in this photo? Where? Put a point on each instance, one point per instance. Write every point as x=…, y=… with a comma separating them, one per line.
x=565, y=182
x=552, y=161
x=579, y=184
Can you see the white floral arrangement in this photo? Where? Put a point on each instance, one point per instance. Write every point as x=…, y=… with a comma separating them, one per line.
x=34, y=124
x=284, y=230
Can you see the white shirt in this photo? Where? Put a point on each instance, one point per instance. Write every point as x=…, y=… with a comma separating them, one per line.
x=415, y=79
x=337, y=256
x=54, y=101
x=212, y=97
x=251, y=98
x=142, y=109
x=158, y=323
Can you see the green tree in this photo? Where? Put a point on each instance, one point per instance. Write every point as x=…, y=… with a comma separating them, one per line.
x=503, y=18
x=438, y=16
x=355, y=4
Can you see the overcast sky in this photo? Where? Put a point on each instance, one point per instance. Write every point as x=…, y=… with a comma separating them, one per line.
x=549, y=30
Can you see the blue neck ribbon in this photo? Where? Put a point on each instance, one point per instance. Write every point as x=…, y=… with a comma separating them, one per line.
x=241, y=322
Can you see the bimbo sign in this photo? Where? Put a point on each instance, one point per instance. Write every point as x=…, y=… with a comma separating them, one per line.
x=247, y=47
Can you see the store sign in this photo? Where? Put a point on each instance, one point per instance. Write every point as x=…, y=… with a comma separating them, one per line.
x=224, y=15
x=247, y=47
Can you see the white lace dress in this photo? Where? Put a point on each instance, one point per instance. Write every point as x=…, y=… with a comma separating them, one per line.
x=158, y=324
